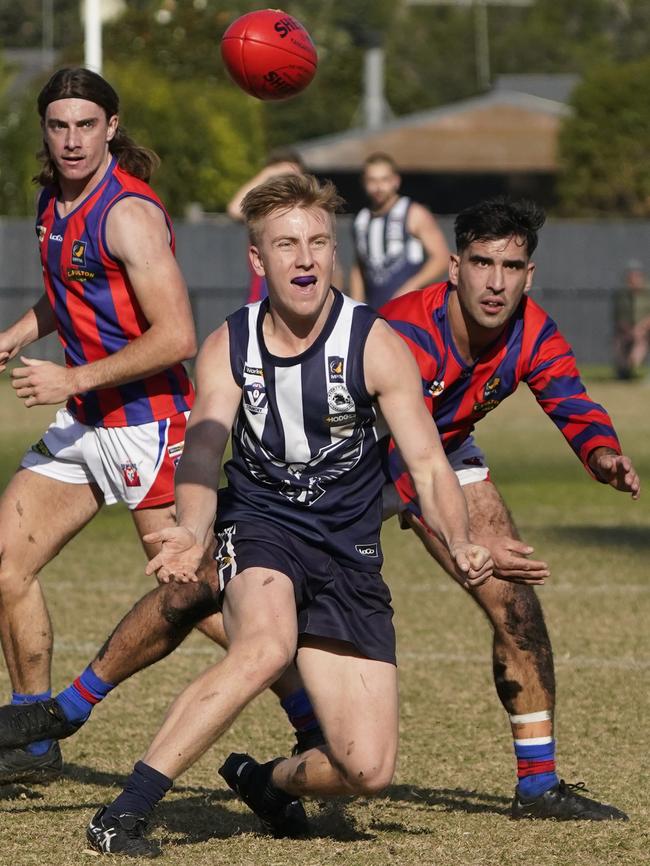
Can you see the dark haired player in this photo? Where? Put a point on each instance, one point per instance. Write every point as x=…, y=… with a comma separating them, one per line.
x=475, y=339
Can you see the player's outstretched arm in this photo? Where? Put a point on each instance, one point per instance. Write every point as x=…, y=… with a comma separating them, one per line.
x=137, y=235
x=197, y=477
x=616, y=470
x=392, y=375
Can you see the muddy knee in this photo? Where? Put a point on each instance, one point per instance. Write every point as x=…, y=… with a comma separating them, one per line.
x=183, y=605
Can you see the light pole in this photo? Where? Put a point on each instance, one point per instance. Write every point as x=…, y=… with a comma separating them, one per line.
x=481, y=31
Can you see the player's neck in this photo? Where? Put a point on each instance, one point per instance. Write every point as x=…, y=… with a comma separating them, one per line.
x=287, y=334
x=470, y=339
x=72, y=192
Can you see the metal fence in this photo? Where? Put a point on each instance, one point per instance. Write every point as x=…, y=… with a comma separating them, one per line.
x=580, y=266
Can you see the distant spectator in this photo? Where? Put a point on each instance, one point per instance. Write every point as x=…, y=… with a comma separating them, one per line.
x=399, y=245
x=632, y=321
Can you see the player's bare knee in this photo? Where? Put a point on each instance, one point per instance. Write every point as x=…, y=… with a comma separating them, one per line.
x=14, y=581
x=183, y=605
x=262, y=658
x=367, y=772
x=368, y=780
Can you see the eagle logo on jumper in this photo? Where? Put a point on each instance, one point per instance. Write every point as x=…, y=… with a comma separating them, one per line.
x=130, y=475
x=79, y=252
x=300, y=483
x=41, y=231
x=255, y=398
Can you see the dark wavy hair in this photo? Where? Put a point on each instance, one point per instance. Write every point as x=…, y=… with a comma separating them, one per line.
x=499, y=217
x=80, y=83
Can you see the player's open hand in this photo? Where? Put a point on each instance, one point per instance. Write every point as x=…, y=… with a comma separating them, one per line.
x=473, y=563
x=179, y=558
x=41, y=383
x=617, y=470
x=511, y=560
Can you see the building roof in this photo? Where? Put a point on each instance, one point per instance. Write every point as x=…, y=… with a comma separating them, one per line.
x=504, y=130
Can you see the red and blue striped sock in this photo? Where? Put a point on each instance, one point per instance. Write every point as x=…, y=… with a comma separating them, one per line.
x=17, y=699
x=79, y=698
x=535, y=766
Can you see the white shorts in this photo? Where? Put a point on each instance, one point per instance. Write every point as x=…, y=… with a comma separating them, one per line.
x=468, y=462
x=134, y=465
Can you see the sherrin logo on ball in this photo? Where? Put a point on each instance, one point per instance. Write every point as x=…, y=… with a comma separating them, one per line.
x=269, y=54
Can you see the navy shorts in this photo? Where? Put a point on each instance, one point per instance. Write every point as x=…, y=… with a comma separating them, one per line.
x=333, y=600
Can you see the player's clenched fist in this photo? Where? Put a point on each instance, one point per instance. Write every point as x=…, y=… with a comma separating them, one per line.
x=473, y=562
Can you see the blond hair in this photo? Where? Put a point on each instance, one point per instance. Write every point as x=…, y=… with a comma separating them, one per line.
x=284, y=192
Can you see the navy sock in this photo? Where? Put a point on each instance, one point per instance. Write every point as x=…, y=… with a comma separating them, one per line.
x=17, y=699
x=79, y=698
x=144, y=788
x=535, y=766
x=299, y=711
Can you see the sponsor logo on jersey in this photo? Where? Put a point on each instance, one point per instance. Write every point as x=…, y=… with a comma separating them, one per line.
x=79, y=275
x=491, y=386
x=367, y=549
x=57, y=238
x=253, y=371
x=340, y=399
x=342, y=420
x=255, y=398
x=486, y=406
x=41, y=231
x=436, y=387
x=41, y=448
x=130, y=475
x=175, y=452
x=335, y=368
x=78, y=252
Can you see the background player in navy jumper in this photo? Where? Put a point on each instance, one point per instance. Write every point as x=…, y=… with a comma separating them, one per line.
x=398, y=243
x=475, y=338
x=295, y=378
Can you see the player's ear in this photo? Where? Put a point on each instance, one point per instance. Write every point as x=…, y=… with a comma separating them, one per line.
x=454, y=265
x=530, y=270
x=112, y=127
x=256, y=260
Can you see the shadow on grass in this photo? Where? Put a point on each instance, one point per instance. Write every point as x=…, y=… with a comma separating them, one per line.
x=450, y=800
x=601, y=536
x=202, y=818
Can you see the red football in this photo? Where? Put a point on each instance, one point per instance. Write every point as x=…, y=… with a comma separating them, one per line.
x=269, y=54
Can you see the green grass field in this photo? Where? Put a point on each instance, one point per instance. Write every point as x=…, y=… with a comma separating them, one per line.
x=449, y=801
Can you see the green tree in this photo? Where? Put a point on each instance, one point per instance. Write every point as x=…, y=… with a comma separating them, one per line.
x=20, y=138
x=206, y=135
x=604, y=146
